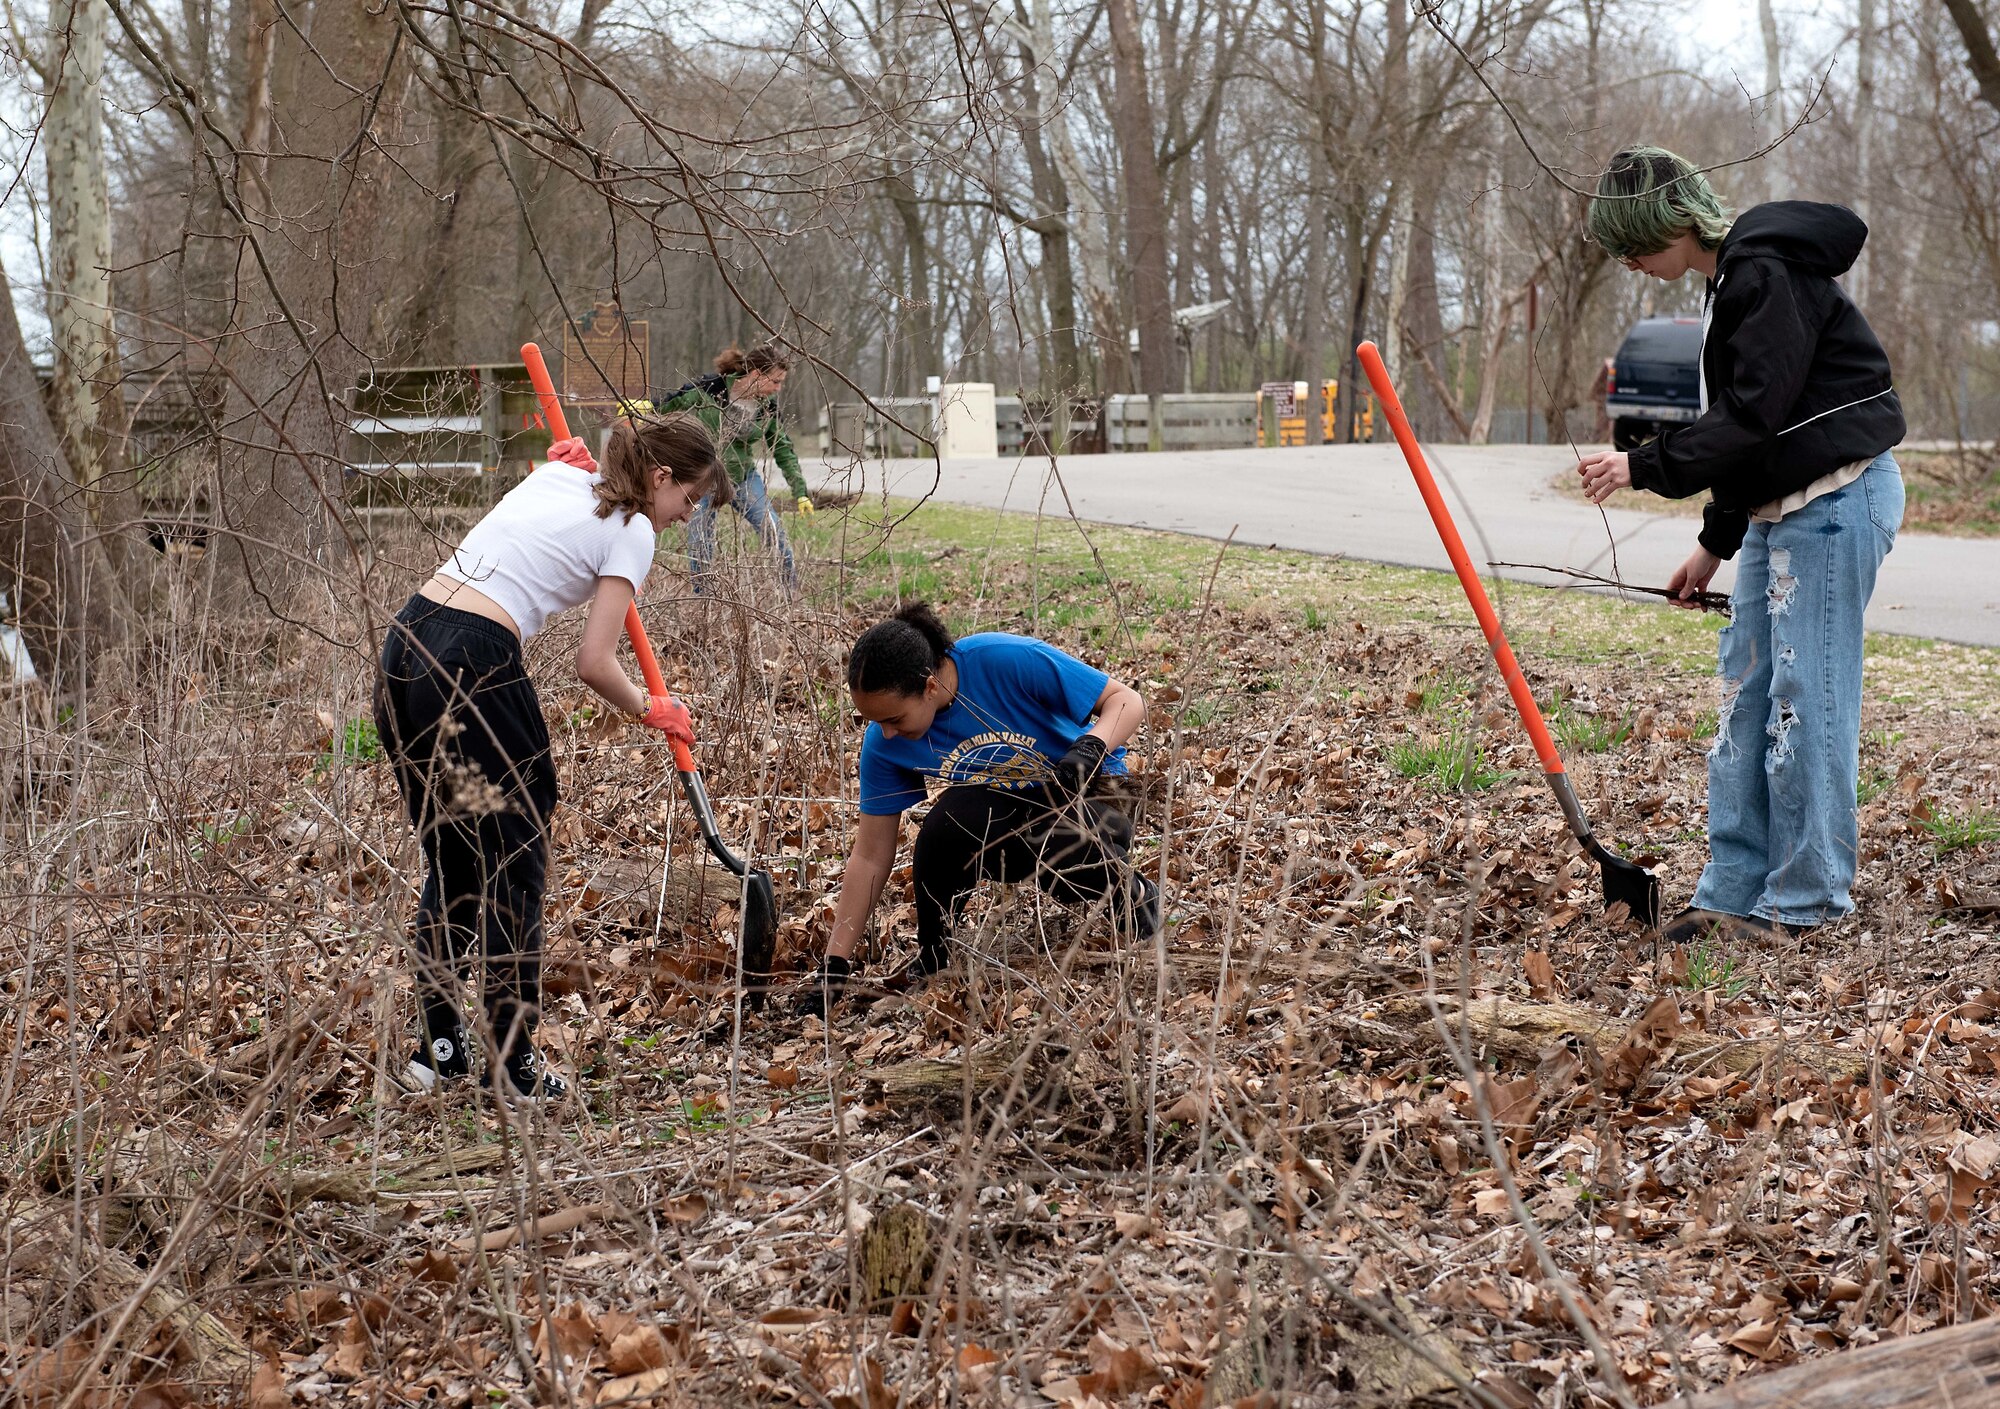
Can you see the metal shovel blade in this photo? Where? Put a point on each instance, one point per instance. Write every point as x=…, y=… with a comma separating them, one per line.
x=1634, y=886
x=1625, y=882
x=757, y=927
x=757, y=938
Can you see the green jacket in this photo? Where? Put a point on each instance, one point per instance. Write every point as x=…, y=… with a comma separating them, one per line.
x=706, y=396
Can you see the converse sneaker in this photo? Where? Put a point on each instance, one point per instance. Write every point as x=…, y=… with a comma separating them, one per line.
x=526, y=1075
x=442, y=1058
x=1144, y=899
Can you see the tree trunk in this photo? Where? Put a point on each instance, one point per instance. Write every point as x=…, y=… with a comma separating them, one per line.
x=1497, y=311
x=1319, y=196
x=1777, y=176
x=1399, y=281
x=1864, y=142
x=1145, y=204
x=1980, y=53
x=307, y=288
x=1092, y=252
x=1423, y=325
x=59, y=583
x=88, y=394
x=926, y=358
x=1582, y=264
x=428, y=329
x=1060, y=372
x=1345, y=419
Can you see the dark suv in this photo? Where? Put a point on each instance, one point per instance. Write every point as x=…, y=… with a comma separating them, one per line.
x=1655, y=380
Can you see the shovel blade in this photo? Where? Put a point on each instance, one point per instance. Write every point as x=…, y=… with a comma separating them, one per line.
x=1632, y=886
x=757, y=937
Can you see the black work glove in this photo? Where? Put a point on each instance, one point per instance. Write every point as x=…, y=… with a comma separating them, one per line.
x=823, y=987
x=1075, y=769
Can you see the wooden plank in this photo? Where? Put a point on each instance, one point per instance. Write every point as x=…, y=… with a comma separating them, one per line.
x=414, y=425
x=1953, y=1368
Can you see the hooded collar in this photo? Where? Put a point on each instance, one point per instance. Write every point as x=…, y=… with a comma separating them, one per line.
x=1819, y=238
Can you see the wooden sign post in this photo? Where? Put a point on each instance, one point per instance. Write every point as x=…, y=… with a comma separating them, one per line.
x=607, y=359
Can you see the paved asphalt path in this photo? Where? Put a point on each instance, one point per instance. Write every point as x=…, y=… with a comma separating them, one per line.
x=1359, y=501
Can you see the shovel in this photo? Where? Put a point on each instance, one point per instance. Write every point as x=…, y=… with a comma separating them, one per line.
x=757, y=924
x=1624, y=883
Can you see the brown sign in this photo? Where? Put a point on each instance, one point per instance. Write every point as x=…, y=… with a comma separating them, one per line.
x=1283, y=395
x=607, y=359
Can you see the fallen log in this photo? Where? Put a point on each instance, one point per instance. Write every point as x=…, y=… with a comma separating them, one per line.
x=1523, y=1031
x=564, y=1220
x=44, y=1242
x=990, y=1069
x=446, y=1172
x=625, y=890
x=1945, y=1369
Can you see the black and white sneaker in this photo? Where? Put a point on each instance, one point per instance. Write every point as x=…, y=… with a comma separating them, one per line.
x=526, y=1076
x=443, y=1058
x=1144, y=899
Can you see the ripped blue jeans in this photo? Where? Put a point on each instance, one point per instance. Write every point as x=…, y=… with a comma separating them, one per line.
x=1782, y=831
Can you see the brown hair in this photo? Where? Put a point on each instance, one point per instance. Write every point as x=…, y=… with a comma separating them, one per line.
x=764, y=357
x=679, y=442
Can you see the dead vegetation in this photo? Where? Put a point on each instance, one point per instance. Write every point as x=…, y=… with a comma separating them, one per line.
x=1394, y=1116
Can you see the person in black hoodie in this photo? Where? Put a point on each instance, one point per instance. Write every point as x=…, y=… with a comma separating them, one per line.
x=1798, y=416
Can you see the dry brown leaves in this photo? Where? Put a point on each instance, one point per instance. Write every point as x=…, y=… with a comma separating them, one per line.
x=1193, y=1205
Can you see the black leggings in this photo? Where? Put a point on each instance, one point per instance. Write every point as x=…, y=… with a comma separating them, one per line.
x=461, y=722
x=975, y=832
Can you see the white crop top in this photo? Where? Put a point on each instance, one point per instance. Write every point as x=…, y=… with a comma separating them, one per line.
x=542, y=548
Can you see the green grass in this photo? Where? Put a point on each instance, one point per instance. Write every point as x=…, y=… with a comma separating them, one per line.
x=209, y=835
x=1958, y=831
x=1587, y=733
x=1444, y=695
x=1706, y=722
x=357, y=743
x=1007, y=563
x=1456, y=763
x=1200, y=712
x=1877, y=777
x=1709, y=968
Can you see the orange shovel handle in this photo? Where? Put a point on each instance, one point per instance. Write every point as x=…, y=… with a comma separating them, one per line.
x=649, y=665
x=1475, y=591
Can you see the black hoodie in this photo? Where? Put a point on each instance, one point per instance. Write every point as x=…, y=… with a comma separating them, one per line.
x=1797, y=384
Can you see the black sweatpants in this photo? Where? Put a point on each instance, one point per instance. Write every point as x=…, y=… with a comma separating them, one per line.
x=1075, y=852
x=461, y=721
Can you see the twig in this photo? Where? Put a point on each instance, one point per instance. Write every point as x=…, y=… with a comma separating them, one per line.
x=1704, y=600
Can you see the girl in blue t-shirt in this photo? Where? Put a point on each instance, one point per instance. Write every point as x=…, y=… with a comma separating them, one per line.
x=1017, y=731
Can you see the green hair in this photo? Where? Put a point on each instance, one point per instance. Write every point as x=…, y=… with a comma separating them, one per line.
x=1648, y=197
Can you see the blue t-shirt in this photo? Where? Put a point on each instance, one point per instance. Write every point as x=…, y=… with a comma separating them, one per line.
x=1020, y=704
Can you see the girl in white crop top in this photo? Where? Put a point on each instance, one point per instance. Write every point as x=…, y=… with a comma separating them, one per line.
x=462, y=723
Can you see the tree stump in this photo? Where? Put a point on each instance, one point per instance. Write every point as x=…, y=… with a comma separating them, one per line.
x=898, y=1254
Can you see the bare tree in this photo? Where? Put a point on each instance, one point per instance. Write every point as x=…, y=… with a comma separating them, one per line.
x=1146, y=233
x=1980, y=54
x=51, y=568
x=1777, y=181
x=86, y=393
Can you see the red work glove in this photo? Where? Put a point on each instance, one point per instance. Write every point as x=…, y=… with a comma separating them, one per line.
x=670, y=717
x=573, y=452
